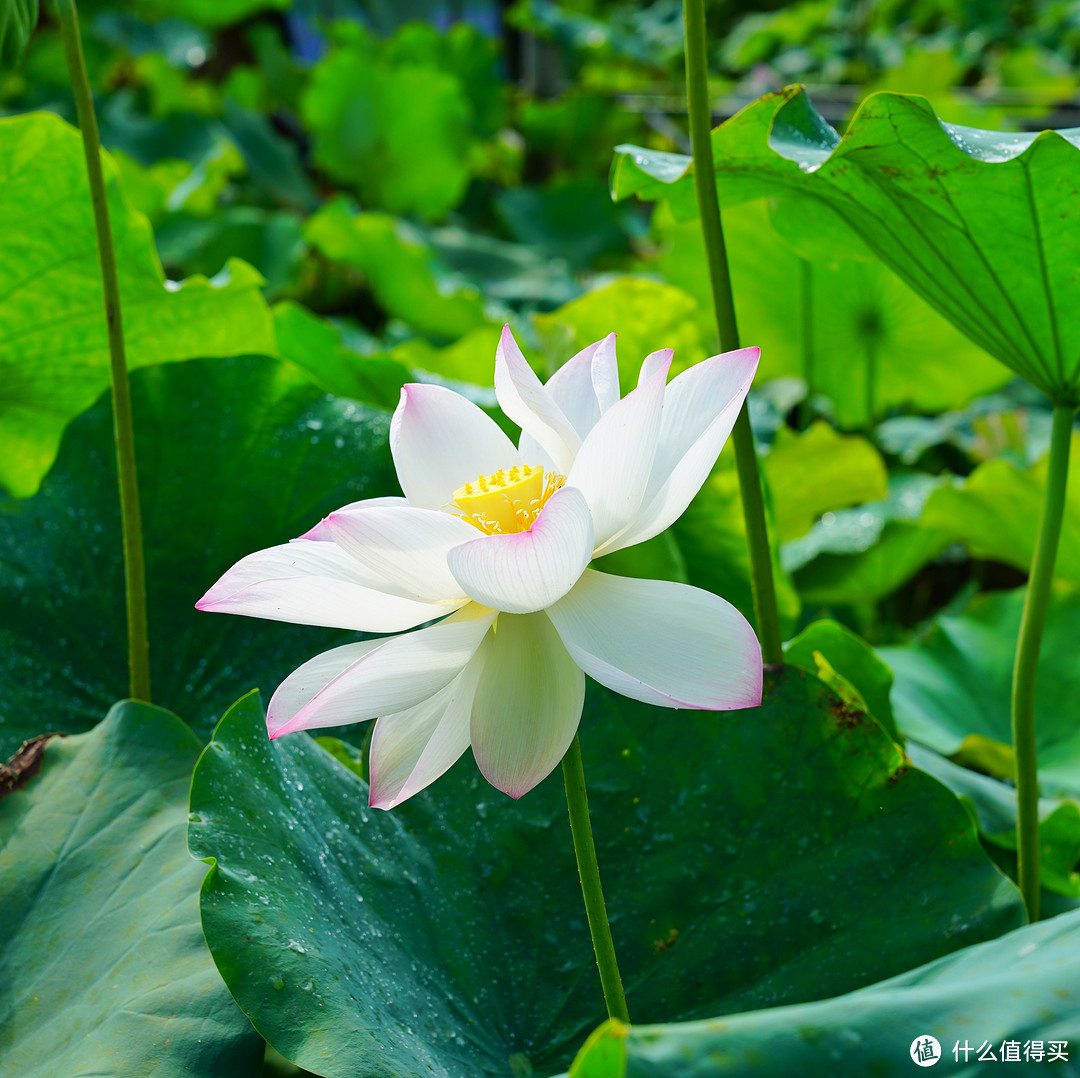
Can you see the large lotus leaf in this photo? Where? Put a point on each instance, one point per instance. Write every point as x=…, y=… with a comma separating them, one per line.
x=817, y=471
x=984, y=225
x=399, y=133
x=647, y=315
x=400, y=269
x=234, y=455
x=104, y=968
x=750, y=859
x=995, y=513
x=954, y=683
x=1020, y=988
x=54, y=360
x=851, y=329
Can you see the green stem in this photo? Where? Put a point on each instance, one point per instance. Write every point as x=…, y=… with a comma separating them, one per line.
x=1027, y=660
x=577, y=803
x=746, y=462
x=806, y=337
x=134, y=569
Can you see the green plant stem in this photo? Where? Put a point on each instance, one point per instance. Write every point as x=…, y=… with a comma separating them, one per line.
x=746, y=463
x=577, y=803
x=806, y=338
x=134, y=567
x=1027, y=660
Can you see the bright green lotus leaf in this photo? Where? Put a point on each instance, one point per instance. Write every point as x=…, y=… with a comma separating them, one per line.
x=853, y=658
x=234, y=455
x=995, y=513
x=401, y=270
x=954, y=681
x=985, y=226
x=470, y=359
x=647, y=315
x=316, y=347
x=104, y=966
x=399, y=133
x=851, y=329
x=711, y=536
x=54, y=362
x=1021, y=988
x=817, y=471
x=367, y=943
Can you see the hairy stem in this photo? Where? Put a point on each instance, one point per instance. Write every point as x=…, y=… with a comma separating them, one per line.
x=577, y=803
x=1027, y=660
x=766, y=613
x=134, y=568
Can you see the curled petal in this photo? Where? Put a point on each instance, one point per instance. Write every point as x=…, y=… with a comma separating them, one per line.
x=528, y=704
x=613, y=466
x=317, y=583
x=406, y=545
x=661, y=642
x=700, y=407
x=411, y=749
x=440, y=441
x=654, y=362
x=531, y=405
x=377, y=677
x=526, y=571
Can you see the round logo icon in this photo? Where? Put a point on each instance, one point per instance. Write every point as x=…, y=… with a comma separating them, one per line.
x=925, y=1050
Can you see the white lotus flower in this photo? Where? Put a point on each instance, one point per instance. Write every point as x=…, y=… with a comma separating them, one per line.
x=493, y=543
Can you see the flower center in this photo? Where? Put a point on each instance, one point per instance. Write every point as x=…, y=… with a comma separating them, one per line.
x=508, y=501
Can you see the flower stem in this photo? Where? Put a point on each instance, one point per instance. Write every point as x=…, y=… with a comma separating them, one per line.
x=577, y=802
x=766, y=613
x=134, y=569
x=1027, y=660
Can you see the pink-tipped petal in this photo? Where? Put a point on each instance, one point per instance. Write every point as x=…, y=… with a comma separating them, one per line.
x=411, y=749
x=321, y=532
x=661, y=642
x=377, y=677
x=531, y=405
x=527, y=705
x=317, y=583
x=440, y=441
x=654, y=362
x=406, y=545
x=614, y=463
x=526, y=571
x=700, y=408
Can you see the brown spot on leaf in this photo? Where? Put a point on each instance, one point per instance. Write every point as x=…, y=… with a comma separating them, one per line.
x=25, y=763
x=667, y=942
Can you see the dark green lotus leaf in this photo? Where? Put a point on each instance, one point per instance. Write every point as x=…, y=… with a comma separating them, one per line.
x=104, y=970
x=954, y=682
x=750, y=859
x=984, y=225
x=1020, y=988
x=17, y=21
x=55, y=360
x=995, y=513
x=234, y=455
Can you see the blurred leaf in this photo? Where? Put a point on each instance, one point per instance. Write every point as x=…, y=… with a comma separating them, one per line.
x=647, y=315
x=234, y=455
x=55, y=361
x=995, y=512
x=658, y=558
x=209, y=13
x=399, y=134
x=1059, y=848
x=399, y=268
x=853, y=331
x=471, y=359
x=17, y=21
x=104, y=964
x=983, y=225
x=819, y=470
x=315, y=346
x=407, y=926
x=954, y=681
x=854, y=659
x=1018, y=987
